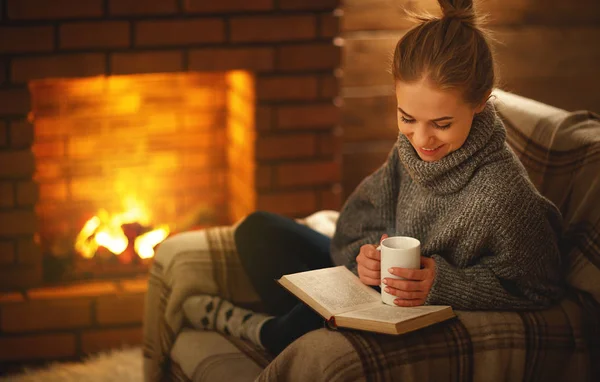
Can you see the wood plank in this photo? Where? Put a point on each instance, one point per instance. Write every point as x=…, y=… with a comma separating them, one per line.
x=523, y=53
x=369, y=118
x=366, y=15
x=358, y=165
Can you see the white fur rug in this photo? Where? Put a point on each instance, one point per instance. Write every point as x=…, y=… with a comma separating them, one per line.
x=115, y=366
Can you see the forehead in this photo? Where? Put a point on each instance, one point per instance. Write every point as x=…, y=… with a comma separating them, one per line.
x=424, y=101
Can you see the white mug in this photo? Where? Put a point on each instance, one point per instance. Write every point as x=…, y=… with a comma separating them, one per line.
x=401, y=252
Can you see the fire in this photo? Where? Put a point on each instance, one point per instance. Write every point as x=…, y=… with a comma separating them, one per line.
x=115, y=232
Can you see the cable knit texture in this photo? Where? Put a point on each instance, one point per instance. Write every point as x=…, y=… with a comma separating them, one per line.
x=494, y=238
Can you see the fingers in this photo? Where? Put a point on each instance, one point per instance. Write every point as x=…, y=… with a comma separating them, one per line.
x=371, y=273
x=406, y=285
x=405, y=295
x=369, y=263
x=383, y=237
x=427, y=262
x=409, y=303
x=369, y=280
x=410, y=274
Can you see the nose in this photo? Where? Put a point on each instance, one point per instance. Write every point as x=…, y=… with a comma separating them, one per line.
x=422, y=137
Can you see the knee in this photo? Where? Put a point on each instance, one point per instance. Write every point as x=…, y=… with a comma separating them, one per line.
x=256, y=223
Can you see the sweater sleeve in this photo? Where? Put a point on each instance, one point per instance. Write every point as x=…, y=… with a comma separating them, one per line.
x=367, y=214
x=521, y=271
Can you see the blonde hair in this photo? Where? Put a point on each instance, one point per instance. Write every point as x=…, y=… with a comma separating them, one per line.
x=451, y=51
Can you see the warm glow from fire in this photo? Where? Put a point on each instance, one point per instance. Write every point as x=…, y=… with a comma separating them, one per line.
x=106, y=230
x=144, y=244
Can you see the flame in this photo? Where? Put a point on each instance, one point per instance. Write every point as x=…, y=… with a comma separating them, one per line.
x=144, y=244
x=105, y=230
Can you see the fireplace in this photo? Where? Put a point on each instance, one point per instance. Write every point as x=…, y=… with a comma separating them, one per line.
x=123, y=161
x=74, y=74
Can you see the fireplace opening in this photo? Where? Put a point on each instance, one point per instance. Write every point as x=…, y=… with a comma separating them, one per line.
x=124, y=161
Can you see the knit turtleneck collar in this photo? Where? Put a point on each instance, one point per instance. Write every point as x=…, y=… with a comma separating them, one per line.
x=453, y=172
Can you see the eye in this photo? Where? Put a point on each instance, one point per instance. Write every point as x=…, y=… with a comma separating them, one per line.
x=406, y=120
x=442, y=127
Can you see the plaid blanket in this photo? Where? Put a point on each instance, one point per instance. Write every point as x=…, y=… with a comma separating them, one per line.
x=560, y=150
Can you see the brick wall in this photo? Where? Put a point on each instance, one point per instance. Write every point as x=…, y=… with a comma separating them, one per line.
x=65, y=323
x=286, y=44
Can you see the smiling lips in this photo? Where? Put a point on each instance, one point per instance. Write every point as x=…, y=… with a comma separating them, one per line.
x=429, y=152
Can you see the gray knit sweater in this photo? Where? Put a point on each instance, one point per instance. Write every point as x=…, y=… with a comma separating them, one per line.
x=475, y=211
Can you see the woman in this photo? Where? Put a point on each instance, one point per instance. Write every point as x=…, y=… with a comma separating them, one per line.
x=489, y=239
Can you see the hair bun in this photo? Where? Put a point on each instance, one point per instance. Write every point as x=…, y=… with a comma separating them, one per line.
x=461, y=10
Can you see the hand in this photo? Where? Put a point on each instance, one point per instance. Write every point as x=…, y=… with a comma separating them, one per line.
x=414, y=290
x=369, y=264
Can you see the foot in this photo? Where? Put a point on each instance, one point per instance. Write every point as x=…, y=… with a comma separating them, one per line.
x=214, y=313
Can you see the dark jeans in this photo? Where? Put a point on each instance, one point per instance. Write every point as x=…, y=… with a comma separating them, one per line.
x=269, y=247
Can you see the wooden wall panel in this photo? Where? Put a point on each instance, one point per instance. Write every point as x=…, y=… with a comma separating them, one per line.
x=366, y=15
x=548, y=50
x=528, y=52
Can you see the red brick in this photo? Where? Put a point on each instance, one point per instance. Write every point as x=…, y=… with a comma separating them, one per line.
x=53, y=192
x=7, y=251
x=308, y=116
x=264, y=118
x=17, y=222
x=288, y=146
x=56, y=9
x=21, y=134
x=45, y=315
x=302, y=174
x=142, y=7
x=331, y=199
x=43, y=346
x=3, y=134
x=329, y=25
x=7, y=194
x=295, y=203
x=26, y=39
x=11, y=297
x=272, y=28
x=28, y=252
x=121, y=309
x=203, y=6
x=139, y=285
x=308, y=4
x=329, y=86
x=88, y=289
x=18, y=276
x=16, y=163
x=259, y=59
x=286, y=88
x=100, y=340
x=106, y=34
x=14, y=101
x=58, y=66
x=146, y=62
x=310, y=56
x=264, y=176
x=3, y=67
x=27, y=193
x=179, y=32
x=329, y=144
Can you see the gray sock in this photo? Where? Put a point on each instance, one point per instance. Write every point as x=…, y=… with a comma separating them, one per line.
x=214, y=313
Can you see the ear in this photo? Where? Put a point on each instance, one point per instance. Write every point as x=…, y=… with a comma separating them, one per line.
x=481, y=106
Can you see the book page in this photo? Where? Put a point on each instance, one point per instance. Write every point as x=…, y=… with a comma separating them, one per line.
x=337, y=289
x=392, y=314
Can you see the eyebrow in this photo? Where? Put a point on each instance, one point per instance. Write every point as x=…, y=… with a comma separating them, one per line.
x=433, y=120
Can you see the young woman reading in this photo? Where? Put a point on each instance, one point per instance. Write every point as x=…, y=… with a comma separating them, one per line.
x=488, y=238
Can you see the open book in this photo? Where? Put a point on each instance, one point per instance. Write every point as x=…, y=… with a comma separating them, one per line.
x=340, y=297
